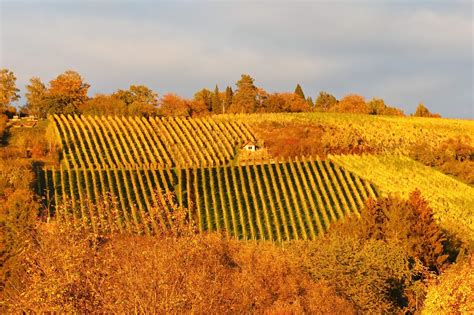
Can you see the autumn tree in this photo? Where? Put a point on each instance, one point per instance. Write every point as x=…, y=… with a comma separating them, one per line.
x=198, y=108
x=275, y=103
x=363, y=272
x=102, y=104
x=299, y=91
x=261, y=97
x=65, y=94
x=140, y=99
x=351, y=103
x=422, y=111
x=325, y=101
x=35, y=95
x=377, y=106
x=409, y=224
x=245, y=98
x=284, y=102
x=8, y=89
x=204, y=97
x=216, y=102
x=173, y=105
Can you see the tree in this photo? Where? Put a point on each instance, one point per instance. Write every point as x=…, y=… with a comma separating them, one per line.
x=216, y=102
x=351, y=103
x=71, y=85
x=409, y=224
x=8, y=89
x=275, y=103
x=284, y=102
x=309, y=99
x=35, y=97
x=173, y=105
x=140, y=99
x=377, y=106
x=204, y=97
x=325, y=101
x=229, y=94
x=245, y=98
x=363, y=272
x=422, y=111
x=262, y=95
x=299, y=91
x=104, y=105
x=65, y=94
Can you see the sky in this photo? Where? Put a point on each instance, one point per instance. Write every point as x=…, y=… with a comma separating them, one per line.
x=405, y=52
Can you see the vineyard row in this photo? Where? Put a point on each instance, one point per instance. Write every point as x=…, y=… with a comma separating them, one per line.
x=273, y=201
x=129, y=141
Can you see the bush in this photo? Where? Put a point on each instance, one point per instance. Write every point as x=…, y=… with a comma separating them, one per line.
x=70, y=271
x=454, y=156
x=453, y=291
x=371, y=274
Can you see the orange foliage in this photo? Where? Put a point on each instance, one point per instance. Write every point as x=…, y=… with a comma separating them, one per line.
x=351, y=103
x=297, y=139
x=173, y=105
x=70, y=271
x=454, y=156
x=284, y=102
x=104, y=105
x=70, y=84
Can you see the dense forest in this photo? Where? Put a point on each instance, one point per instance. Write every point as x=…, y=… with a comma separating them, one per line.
x=131, y=202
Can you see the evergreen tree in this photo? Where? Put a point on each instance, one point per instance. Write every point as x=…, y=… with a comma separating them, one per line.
x=299, y=91
x=216, y=102
x=229, y=94
x=310, y=102
x=245, y=98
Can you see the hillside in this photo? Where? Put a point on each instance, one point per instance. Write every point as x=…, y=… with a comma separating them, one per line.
x=452, y=200
x=334, y=132
x=272, y=198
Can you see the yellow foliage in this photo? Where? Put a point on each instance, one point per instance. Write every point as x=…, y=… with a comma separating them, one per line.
x=453, y=291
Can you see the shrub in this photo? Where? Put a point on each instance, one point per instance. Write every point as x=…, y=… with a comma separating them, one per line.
x=453, y=291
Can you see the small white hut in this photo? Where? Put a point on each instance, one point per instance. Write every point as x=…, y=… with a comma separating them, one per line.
x=250, y=146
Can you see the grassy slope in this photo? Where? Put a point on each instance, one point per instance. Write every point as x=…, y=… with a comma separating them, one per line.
x=452, y=200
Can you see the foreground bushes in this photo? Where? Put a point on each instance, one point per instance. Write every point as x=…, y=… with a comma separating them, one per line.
x=453, y=292
x=381, y=263
x=73, y=272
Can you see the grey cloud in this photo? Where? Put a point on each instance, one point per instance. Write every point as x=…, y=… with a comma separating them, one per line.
x=405, y=53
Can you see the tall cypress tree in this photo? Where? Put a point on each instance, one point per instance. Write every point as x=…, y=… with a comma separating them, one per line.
x=229, y=94
x=299, y=91
x=216, y=102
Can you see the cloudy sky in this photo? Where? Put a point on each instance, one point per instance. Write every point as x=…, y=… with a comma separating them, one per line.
x=403, y=51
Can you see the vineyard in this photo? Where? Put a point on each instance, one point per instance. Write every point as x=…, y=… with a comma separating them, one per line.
x=139, y=160
x=271, y=201
x=452, y=200
x=130, y=141
x=383, y=133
